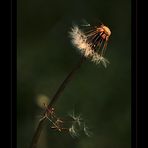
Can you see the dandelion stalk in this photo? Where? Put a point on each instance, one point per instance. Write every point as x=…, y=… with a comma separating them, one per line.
x=53, y=100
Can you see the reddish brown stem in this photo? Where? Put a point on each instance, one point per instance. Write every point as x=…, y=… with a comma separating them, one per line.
x=54, y=99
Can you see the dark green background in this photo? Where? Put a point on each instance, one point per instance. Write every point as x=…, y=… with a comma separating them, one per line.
x=45, y=56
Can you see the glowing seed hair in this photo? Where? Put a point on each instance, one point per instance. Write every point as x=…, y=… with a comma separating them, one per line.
x=91, y=43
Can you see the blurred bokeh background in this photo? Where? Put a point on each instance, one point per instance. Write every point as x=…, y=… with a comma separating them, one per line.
x=44, y=58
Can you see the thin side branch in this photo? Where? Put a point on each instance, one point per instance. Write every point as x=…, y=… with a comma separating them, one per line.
x=54, y=99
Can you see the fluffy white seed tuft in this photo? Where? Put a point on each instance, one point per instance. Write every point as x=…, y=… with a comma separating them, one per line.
x=79, y=40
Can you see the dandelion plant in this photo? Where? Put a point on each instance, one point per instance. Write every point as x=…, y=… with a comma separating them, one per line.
x=91, y=41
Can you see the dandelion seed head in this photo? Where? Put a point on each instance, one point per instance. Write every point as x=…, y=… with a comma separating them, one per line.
x=90, y=45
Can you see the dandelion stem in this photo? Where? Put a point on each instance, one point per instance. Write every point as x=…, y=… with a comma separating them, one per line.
x=64, y=83
x=53, y=100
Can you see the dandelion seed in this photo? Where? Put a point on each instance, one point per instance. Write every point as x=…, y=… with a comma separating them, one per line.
x=92, y=43
x=99, y=59
x=77, y=119
x=86, y=131
x=73, y=131
x=85, y=23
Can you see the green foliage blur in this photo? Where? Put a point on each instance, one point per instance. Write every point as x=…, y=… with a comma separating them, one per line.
x=45, y=56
